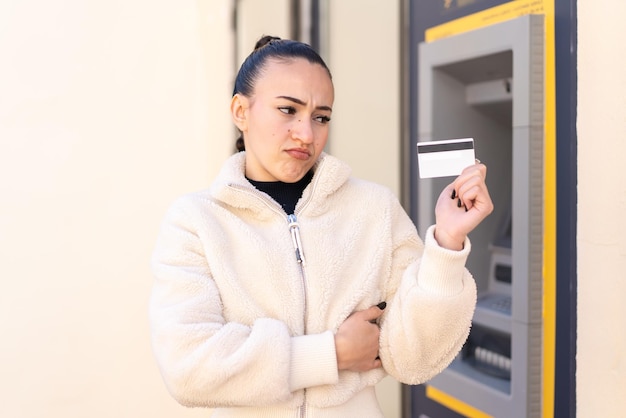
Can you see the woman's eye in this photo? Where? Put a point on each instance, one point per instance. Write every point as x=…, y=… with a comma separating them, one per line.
x=288, y=110
x=323, y=119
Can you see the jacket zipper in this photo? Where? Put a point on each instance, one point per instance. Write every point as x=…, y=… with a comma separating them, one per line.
x=294, y=229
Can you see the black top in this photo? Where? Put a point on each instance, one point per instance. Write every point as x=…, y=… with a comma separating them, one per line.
x=286, y=194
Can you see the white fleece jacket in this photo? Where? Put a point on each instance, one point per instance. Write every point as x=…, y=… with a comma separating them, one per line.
x=237, y=321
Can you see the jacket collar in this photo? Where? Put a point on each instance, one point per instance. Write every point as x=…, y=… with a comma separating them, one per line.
x=233, y=189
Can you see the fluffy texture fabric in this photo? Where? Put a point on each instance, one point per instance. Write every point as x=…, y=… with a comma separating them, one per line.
x=237, y=321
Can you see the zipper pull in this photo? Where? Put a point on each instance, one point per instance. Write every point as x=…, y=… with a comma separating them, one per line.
x=294, y=228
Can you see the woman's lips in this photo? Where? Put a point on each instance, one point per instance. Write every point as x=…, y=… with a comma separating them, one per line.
x=300, y=154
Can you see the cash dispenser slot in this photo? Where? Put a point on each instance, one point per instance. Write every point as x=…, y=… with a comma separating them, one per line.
x=489, y=352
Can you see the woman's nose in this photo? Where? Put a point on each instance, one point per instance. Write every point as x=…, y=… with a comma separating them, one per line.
x=303, y=131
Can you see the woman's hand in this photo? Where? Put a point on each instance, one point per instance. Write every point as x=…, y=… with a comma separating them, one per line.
x=357, y=340
x=461, y=206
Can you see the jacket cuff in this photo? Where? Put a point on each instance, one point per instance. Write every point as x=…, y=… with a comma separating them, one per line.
x=441, y=270
x=313, y=361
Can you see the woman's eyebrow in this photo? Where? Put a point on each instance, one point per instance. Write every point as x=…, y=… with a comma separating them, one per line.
x=300, y=102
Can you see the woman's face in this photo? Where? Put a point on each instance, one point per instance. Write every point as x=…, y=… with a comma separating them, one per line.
x=285, y=121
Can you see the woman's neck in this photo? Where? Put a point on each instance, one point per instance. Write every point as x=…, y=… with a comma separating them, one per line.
x=286, y=194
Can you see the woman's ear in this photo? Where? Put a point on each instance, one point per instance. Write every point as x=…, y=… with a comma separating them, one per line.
x=239, y=111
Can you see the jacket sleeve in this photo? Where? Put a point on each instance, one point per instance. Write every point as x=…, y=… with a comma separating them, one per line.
x=207, y=361
x=430, y=309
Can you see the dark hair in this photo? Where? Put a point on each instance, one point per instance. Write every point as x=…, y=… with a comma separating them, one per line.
x=266, y=48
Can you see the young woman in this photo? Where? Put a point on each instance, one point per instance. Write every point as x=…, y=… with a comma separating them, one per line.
x=290, y=288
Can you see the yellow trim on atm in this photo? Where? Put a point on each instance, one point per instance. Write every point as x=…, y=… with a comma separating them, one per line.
x=488, y=17
x=549, y=215
x=492, y=16
x=454, y=404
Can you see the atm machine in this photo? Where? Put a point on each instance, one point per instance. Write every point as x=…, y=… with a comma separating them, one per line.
x=488, y=84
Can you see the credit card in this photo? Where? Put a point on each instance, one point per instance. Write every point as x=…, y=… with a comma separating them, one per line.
x=444, y=158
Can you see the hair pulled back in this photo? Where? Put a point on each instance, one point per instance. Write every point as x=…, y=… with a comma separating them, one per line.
x=270, y=48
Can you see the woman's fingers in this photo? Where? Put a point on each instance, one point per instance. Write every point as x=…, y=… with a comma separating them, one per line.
x=357, y=341
x=470, y=186
x=462, y=205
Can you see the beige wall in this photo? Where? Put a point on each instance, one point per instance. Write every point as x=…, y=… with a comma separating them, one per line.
x=257, y=18
x=601, y=357
x=107, y=111
x=364, y=56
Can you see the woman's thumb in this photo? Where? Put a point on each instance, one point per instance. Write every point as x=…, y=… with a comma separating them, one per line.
x=374, y=312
